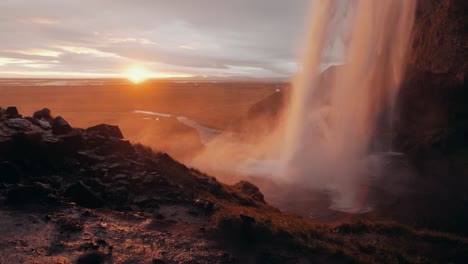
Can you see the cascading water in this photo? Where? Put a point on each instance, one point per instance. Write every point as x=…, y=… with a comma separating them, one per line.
x=323, y=140
x=330, y=122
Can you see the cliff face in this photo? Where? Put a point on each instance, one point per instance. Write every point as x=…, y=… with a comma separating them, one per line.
x=431, y=106
x=440, y=40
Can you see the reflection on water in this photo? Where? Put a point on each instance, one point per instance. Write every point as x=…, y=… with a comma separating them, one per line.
x=206, y=133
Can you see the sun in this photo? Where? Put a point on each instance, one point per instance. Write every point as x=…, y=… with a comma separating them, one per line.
x=137, y=74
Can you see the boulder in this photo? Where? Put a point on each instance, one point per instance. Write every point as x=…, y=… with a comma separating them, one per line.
x=60, y=126
x=22, y=124
x=106, y=130
x=39, y=122
x=250, y=190
x=43, y=114
x=12, y=112
x=83, y=196
x=72, y=140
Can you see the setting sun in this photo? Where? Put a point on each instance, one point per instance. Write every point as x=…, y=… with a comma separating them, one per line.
x=137, y=74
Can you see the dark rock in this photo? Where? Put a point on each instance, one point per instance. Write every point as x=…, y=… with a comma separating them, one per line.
x=439, y=37
x=205, y=204
x=83, y=196
x=247, y=220
x=117, y=196
x=70, y=224
x=95, y=184
x=158, y=261
x=95, y=257
x=73, y=139
x=30, y=193
x=101, y=242
x=250, y=190
x=429, y=111
x=118, y=145
x=88, y=156
x=54, y=181
x=9, y=172
x=60, y=126
x=146, y=201
x=22, y=124
x=39, y=122
x=12, y=112
x=106, y=130
x=43, y=114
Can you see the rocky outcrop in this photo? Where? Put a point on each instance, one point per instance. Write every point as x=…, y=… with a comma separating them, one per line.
x=95, y=167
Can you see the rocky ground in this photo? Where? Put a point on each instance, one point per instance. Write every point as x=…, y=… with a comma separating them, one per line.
x=72, y=195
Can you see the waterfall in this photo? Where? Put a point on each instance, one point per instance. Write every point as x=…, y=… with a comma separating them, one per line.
x=330, y=122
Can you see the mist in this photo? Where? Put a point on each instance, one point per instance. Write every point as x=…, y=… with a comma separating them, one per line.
x=327, y=137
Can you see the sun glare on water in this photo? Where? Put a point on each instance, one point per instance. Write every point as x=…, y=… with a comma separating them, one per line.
x=137, y=74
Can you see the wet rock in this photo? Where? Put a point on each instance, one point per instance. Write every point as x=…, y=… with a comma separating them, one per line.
x=60, y=126
x=250, y=190
x=106, y=130
x=44, y=114
x=83, y=196
x=9, y=172
x=12, y=112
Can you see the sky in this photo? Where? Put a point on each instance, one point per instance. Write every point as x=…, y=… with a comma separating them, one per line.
x=168, y=38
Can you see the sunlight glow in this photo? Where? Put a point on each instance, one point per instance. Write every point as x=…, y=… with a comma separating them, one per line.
x=137, y=74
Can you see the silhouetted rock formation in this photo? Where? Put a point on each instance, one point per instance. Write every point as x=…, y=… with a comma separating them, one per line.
x=97, y=166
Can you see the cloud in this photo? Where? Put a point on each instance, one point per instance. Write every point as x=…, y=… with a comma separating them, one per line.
x=211, y=37
x=39, y=20
x=86, y=51
x=46, y=53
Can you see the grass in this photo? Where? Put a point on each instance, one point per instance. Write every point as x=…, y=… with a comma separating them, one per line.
x=244, y=220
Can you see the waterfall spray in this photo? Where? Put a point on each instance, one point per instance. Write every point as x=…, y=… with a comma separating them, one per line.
x=329, y=125
x=323, y=139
